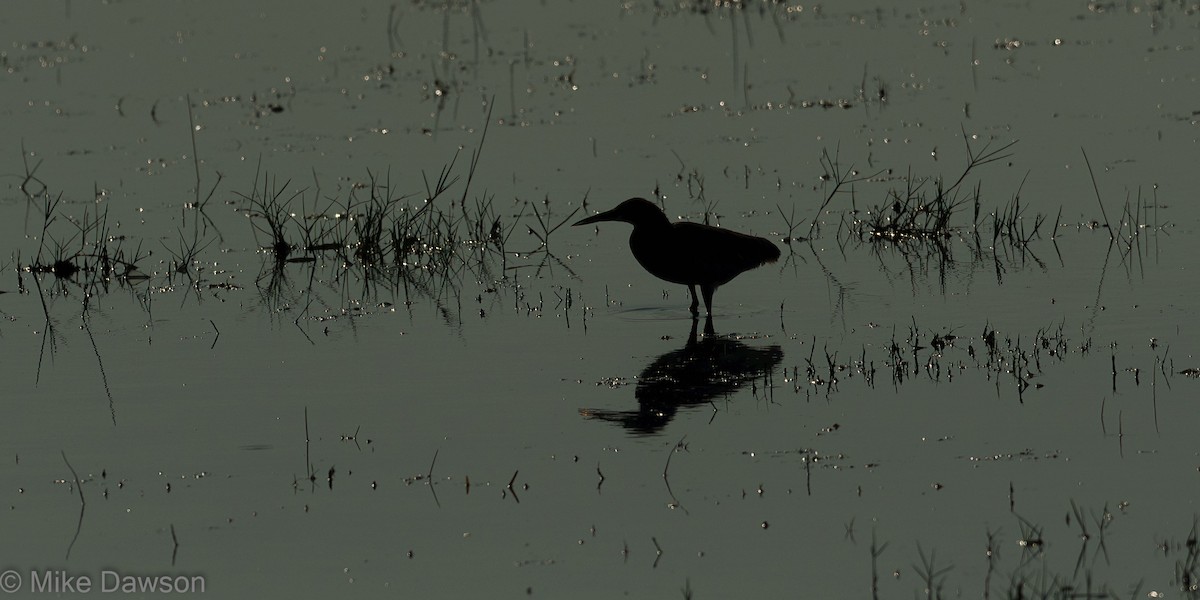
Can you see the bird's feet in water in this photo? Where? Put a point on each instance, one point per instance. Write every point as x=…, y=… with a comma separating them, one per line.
x=707, y=290
x=708, y=329
x=695, y=324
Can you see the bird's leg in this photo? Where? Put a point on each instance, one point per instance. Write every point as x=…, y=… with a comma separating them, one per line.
x=695, y=301
x=708, y=326
x=707, y=290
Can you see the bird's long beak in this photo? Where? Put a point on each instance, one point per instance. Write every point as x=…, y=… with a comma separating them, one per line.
x=596, y=218
x=609, y=215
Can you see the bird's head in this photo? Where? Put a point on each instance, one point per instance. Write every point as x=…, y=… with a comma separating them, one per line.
x=635, y=211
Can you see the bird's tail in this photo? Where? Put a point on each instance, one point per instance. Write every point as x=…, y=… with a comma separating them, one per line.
x=767, y=250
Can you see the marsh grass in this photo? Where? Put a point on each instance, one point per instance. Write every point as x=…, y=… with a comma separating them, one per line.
x=1045, y=564
x=372, y=241
x=80, y=252
x=1186, y=566
x=1135, y=232
x=77, y=257
x=922, y=213
x=933, y=225
x=199, y=204
x=547, y=223
x=1014, y=362
x=269, y=216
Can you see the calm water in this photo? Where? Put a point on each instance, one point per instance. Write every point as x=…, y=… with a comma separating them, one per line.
x=1000, y=407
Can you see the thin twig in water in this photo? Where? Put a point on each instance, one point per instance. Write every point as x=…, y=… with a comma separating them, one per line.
x=82, y=502
x=674, y=501
x=876, y=552
x=1107, y=224
x=429, y=475
x=308, y=467
x=509, y=487
x=112, y=409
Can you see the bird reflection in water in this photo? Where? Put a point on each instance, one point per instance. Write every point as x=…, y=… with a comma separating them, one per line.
x=704, y=369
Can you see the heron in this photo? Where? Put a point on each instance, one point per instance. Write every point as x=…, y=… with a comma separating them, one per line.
x=690, y=254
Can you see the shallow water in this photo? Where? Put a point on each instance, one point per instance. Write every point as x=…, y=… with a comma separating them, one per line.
x=974, y=414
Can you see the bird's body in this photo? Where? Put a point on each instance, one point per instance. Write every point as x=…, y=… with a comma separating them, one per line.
x=690, y=254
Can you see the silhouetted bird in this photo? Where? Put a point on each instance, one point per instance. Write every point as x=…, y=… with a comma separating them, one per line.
x=687, y=253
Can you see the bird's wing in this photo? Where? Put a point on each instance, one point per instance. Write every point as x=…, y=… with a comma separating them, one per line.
x=723, y=254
